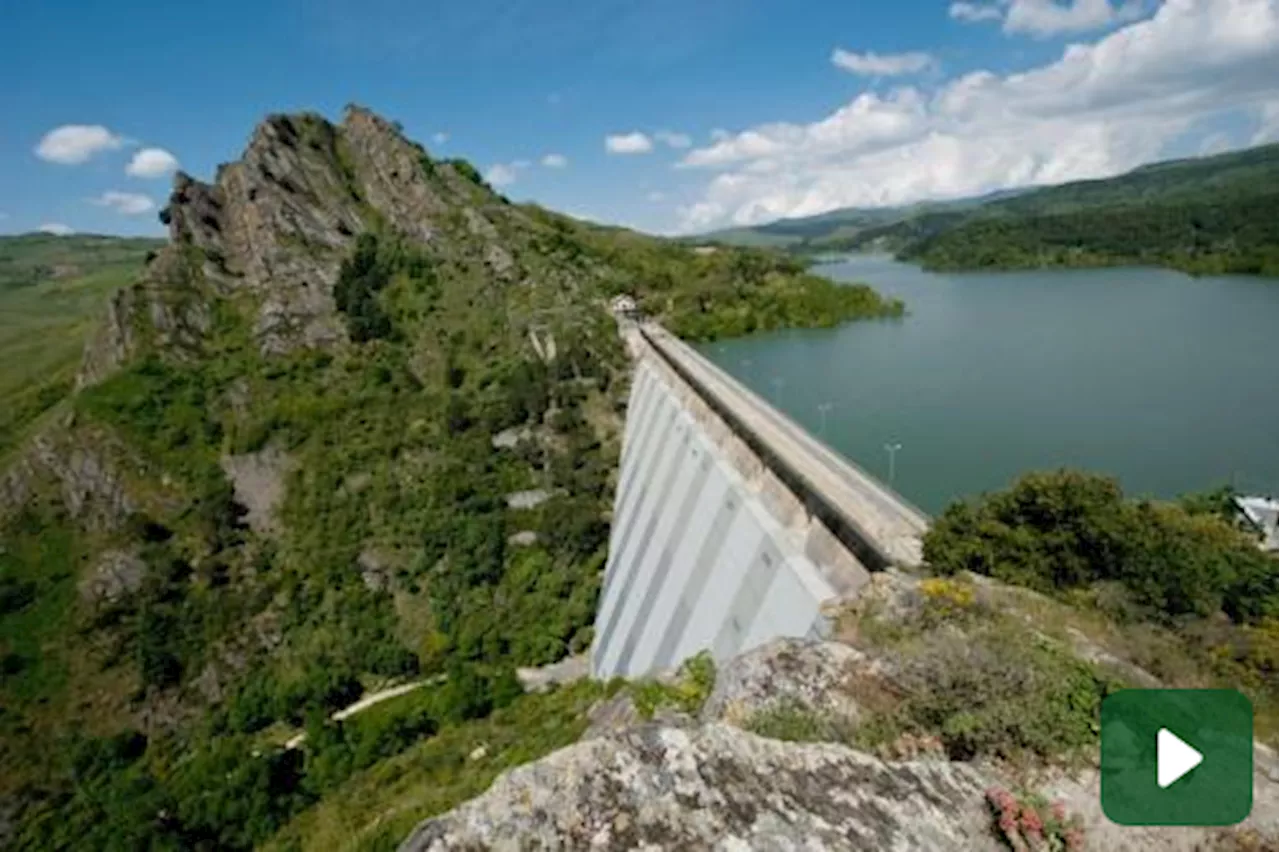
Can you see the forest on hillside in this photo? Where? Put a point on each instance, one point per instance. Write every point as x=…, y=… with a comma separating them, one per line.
x=1202, y=215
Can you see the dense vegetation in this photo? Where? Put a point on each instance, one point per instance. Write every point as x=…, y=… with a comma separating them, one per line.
x=153, y=668
x=1205, y=216
x=1059, y=531
x=1187, y=589
x=1230, y=234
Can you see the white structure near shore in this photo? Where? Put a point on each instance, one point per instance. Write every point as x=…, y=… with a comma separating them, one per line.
x=1263, y=513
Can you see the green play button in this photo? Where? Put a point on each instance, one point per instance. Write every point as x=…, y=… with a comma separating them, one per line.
x=1177, y=757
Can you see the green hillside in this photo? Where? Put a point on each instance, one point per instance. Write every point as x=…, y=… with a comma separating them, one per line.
x=356, y=423
x=1203, y=215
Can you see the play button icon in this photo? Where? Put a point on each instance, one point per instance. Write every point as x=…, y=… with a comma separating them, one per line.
x=1174, y=758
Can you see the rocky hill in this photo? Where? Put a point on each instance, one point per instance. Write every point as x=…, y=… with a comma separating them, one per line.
x=355, y=423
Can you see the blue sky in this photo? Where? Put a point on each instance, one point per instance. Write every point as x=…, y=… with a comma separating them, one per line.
x=775, y=108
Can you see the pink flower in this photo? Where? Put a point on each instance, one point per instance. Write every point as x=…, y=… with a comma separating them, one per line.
x=1003, y=800
x=1031, y=821
x=1075, y=839
x=1059, y=811
x=1008, y=825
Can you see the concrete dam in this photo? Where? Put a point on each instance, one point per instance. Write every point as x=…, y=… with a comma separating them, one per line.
x=731, y=524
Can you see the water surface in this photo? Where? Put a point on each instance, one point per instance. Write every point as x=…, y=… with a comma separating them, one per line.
x=1168, y=382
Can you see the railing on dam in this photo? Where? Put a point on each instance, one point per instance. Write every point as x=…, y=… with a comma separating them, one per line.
x=731, y=524
x=876, y=523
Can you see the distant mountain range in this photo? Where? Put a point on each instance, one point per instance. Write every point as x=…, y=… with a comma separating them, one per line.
x=1206, y=214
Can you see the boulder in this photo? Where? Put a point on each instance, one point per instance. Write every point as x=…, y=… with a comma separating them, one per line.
x=815, y=675
x=660, y=787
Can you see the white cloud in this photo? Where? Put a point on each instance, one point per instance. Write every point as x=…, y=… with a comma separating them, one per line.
x=440, y=137
x=72, y=144
x=1044, y=18
x=881, y=64
x=151, y=163
x=1101, y=108
x=672, y=139
x=126, y=203
x=655, y=197
x=57, y=229
x=628, y=143
x=555, y=161
x=974, y=12
x=1049, y=17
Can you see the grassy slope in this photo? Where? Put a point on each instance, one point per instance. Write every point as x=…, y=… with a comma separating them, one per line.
x=51, y=291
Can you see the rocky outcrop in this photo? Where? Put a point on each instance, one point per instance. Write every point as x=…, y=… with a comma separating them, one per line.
x=258, y=480
x=817, y=676
x=266, y=239
x=717, y=787
x=87, y=481
x=116, y=574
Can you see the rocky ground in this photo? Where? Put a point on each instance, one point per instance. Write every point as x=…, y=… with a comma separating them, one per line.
x=707, y=781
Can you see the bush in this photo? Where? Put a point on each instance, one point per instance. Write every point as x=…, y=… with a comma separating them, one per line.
x=360, y=279
x=791, y=720
x=1057, y=531
x=693, y=684
x=1001, y=691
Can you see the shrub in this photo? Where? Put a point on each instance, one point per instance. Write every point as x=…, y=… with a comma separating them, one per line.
x=693, y=684
x=791, y=720
x=998, y=690
x=1057, y=531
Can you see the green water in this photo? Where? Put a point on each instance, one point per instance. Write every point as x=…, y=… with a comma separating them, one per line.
x=1165, y=381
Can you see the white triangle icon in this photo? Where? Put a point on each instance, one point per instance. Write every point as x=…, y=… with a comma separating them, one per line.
x=1174, y=758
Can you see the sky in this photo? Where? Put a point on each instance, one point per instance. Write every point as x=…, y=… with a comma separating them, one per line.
x=670, y=116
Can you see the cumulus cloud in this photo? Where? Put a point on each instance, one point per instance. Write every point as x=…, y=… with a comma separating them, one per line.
x=655, y=196
x=151, y=163
x=57, y=229
x=881, y=64
x=1049, y=18
x=1044, y=18
x=1100, y=109
x=672, y=139
x=555, y=161
x=975, y=12
x=126, y=203
x=628, y=143
x=72, y=144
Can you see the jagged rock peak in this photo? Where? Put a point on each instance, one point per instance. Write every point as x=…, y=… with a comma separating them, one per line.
x=271, y=230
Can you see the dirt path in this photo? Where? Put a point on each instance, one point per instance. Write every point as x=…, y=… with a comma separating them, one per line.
x=364, y=703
